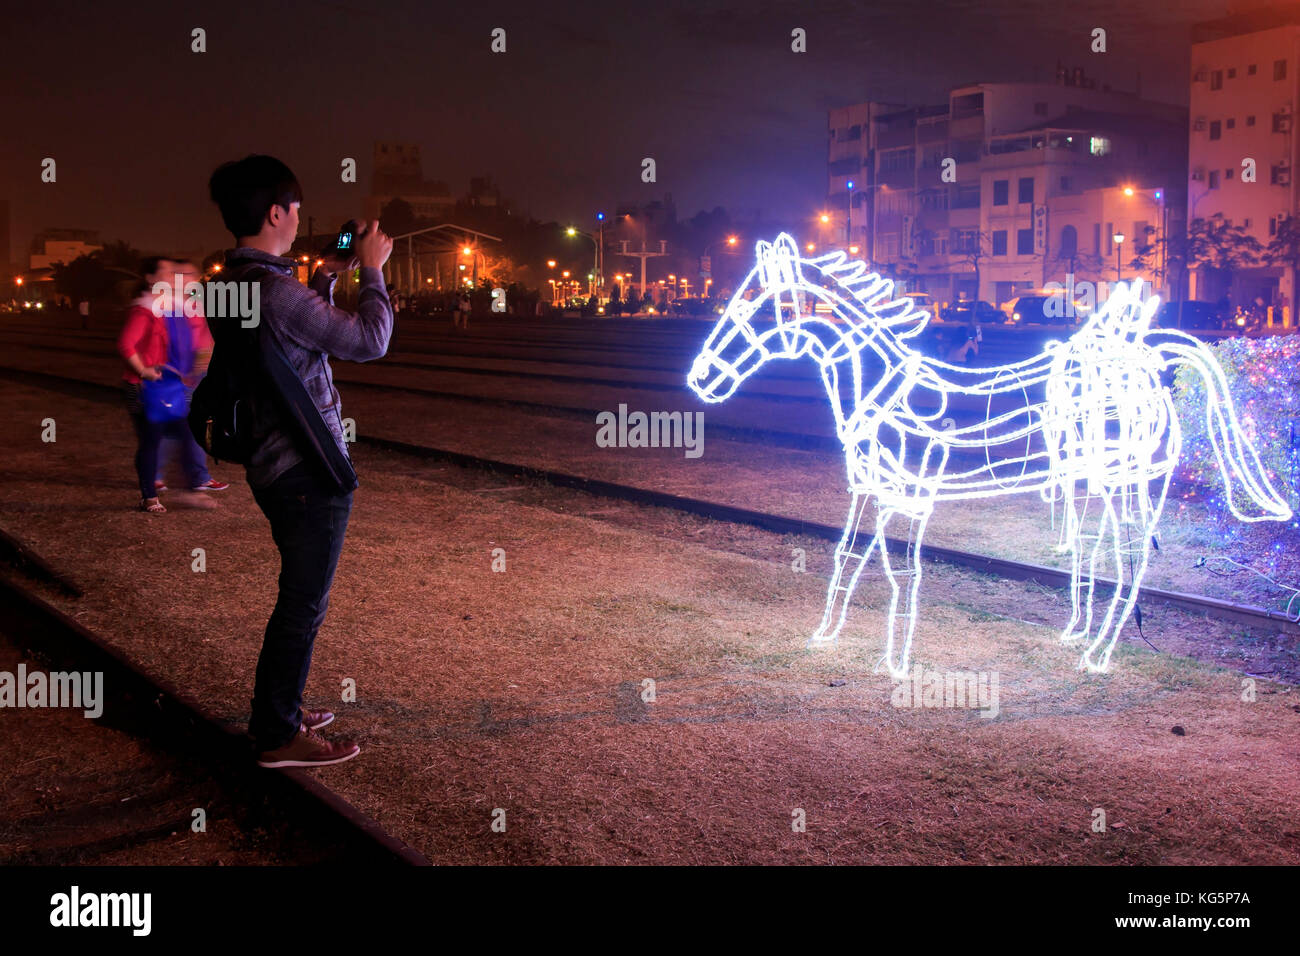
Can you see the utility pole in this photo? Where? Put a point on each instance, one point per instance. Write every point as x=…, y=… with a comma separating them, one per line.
x=643, y=255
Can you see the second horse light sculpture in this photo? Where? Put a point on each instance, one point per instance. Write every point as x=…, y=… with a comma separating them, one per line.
x=1105, y=437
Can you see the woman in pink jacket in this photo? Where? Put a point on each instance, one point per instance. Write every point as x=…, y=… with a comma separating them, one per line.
x=158, y=333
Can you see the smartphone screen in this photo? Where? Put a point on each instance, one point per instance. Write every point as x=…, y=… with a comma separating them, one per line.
x=345, y=241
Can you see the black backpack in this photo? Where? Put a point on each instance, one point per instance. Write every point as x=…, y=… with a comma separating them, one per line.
x=224, y=409
x=251, y=386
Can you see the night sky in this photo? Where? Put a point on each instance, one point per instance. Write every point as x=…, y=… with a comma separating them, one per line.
x=710, y=89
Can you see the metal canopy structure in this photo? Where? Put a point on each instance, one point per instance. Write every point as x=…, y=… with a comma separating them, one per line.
x=422, y=255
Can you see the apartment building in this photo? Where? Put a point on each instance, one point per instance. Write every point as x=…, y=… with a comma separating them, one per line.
x=1245, y=70
x=1007, y=186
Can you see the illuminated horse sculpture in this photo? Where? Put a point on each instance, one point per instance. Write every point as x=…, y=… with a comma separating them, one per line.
x=1105, y=438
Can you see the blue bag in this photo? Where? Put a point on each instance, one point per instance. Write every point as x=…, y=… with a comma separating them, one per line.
x=166, y=400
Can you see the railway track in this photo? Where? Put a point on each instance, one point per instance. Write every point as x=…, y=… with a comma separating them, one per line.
x=143, y=798
x=780, y=524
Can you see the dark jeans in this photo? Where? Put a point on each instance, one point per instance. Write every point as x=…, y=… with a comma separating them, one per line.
x=308, y=524
x=149, y=436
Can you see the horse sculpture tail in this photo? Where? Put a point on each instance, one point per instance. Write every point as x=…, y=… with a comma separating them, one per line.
x=1238, y=461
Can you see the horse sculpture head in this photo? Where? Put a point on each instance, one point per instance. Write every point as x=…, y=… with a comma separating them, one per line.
x=760, y=323
x=774, y=315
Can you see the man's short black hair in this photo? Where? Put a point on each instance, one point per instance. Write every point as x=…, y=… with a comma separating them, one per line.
x=246, y=189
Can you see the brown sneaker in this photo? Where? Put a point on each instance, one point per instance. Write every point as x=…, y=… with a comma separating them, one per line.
x=316, y=719
x=309, y=750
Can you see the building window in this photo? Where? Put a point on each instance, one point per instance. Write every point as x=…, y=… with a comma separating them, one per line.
x=1065, y=184
x=1000, y=242
x=1281, y=122
x=1216, y=129
x=1232, y=72
x=1001, y=187
x=1098, y=145
x=1040, y=109
x=1110, y=238
x=1214, y=179
x=963, y=240
x=1216, y=80
x=1250, y=121
x=1096, y=238
x=1251, y=70
x=1069, y=242
x=1024, y=242
x=1232, y=124
x=968, y=196
x=1279, y=69
x=1227, y=173
x=1026, y=189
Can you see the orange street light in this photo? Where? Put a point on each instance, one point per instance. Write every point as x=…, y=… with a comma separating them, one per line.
x=825, y=218
x=732, y=240
x=550, y=263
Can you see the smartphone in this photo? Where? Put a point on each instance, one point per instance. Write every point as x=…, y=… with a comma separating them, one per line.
x=347, y=239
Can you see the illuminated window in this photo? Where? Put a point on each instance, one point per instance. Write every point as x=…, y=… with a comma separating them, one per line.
x=1099, y=146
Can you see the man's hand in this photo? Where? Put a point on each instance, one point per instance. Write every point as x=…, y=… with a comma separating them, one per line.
x=335, y=265
x=151, y=374
x=373, y=246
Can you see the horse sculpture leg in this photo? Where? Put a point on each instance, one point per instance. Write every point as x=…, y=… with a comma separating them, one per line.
x=851, y=556
x=1081, y=593
x=1134, y=544
x=905, y=587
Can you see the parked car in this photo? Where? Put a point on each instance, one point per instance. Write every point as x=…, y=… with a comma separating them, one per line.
x=921, y=300
x=1192, y=315
x=982, y=311
x=1045, y=308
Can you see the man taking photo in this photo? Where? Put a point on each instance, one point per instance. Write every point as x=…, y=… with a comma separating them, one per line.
x=303, y=499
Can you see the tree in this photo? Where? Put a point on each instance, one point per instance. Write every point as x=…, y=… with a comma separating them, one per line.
x=397, y=217
x=1221, y=249
x=1284, y=250
x=86, y=278
x=971, y=251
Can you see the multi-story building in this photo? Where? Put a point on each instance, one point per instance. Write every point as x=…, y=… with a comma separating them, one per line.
x=61, y=245
x=1007, y=186
x=398, y=175
x=1245, y=70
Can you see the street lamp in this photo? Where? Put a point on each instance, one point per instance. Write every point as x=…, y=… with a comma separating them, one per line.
x=1157, y=199
x=1119, y=262
x=596, y=242
x=848, y=214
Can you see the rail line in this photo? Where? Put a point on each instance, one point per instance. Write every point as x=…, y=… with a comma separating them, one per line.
x=717, y=511
x=308, y=815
